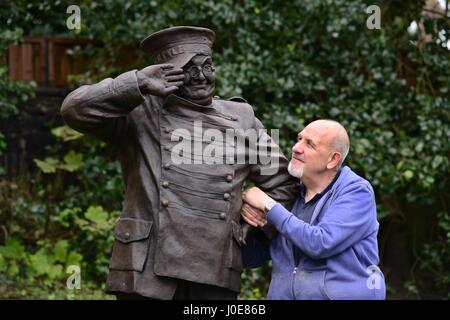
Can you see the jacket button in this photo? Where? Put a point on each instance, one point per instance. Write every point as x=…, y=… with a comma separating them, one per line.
x=180, y=138
x=226, y=196
x=165, y=203
x=167, y=130
x=229, y=178
x=167, y=166
x=126, y=235
x=222, y=215
x=167, y=148
x=165, y=184
x=234, y=118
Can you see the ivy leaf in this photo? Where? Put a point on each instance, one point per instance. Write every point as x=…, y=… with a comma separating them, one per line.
x=66, y=133
x=61, y=250
x=408, y=174
x=49, y=165
x=3, y=265
x=437, y=161
x=99, y=216
x=13, y=270
x=73, y=161
x=12, y=249
x=74, y=258
x=40, y=263
x=55, y=271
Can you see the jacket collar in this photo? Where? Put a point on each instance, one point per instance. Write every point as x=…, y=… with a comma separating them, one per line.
x=177, y=101
x=330, y=193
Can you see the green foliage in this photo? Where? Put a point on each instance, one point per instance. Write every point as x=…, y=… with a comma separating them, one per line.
x=72, y=162
x=11, y=92
x=255, y=283
x=60, y=220
x=435, y=257
x=294, y=61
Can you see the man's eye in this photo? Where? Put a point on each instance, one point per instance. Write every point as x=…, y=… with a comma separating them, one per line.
x=207, y=68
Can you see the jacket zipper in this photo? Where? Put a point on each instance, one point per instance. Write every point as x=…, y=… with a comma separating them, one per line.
x=294, y=274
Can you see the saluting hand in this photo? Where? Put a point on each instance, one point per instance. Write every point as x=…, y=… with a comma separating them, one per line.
x=160, y=79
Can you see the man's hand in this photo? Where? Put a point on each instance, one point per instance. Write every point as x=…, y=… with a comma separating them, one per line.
x=252, y=216
x=160, y=79
x=256, y=198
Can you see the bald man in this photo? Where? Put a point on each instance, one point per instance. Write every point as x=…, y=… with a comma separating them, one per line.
x=326, y=247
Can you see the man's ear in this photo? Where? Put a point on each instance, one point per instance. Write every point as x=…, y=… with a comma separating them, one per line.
x=334, y=160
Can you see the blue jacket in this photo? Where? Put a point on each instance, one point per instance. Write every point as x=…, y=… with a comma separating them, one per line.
x=338, y=250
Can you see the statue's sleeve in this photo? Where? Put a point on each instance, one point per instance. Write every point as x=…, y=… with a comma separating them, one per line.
x=270, y=172
x=101, y=109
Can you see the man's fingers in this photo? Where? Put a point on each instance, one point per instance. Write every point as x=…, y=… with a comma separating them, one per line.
x=257, y=214
x=179, y=77
x=249, y=218
x=253, y=216
x=174, y=72
x=250, y=222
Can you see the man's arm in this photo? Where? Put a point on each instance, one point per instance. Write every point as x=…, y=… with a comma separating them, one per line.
x=350, y=218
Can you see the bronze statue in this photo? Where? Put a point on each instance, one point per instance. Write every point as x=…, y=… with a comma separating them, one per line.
x=179, y=235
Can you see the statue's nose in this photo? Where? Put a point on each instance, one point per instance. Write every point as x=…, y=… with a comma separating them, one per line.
x=201, y=76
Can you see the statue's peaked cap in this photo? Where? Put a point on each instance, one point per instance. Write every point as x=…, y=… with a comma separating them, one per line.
x=178, y=45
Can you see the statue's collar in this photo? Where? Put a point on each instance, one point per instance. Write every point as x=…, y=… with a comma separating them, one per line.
x=177, y=101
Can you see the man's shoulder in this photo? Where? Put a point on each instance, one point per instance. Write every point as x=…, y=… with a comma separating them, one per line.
x=349, y=178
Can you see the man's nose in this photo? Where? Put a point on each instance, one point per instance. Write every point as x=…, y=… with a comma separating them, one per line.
x=297, y=148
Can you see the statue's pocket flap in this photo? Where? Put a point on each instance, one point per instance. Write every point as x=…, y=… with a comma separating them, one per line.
x=129, y=230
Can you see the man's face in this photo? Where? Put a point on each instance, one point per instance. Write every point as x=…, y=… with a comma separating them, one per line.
x=199, y=79
x=311, y=153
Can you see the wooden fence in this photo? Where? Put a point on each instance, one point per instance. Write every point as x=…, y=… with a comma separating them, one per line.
x=47, y=61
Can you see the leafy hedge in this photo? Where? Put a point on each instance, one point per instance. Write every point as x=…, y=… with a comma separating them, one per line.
x=294, y=61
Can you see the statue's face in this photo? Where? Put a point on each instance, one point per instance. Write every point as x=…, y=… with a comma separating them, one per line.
x=199, y=79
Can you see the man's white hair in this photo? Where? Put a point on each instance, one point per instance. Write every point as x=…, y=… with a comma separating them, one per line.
x=340, y=141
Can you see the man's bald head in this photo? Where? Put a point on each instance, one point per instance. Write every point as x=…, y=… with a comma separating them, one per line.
x=334, y=134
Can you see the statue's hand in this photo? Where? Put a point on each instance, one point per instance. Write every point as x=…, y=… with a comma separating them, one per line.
x=160, y=79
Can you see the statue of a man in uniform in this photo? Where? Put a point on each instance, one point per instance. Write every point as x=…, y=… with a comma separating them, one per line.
x=179, y=235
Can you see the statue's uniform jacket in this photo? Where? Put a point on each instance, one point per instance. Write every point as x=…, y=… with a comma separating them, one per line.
x=178, y=220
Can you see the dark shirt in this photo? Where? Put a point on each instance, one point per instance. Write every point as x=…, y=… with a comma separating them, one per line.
x=304, y=210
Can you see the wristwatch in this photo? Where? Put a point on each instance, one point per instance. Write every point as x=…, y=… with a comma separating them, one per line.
x=269, y=205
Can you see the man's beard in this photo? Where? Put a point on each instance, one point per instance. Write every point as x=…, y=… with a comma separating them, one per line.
x=296, y=172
